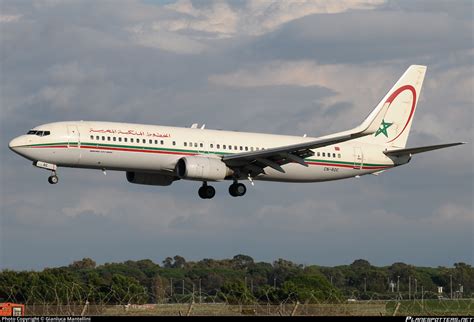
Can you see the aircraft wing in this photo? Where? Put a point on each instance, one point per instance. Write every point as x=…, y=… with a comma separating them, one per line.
x=256, y=161
x=408, y=151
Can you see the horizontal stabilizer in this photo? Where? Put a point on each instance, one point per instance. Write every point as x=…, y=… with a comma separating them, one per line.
x=408, y=151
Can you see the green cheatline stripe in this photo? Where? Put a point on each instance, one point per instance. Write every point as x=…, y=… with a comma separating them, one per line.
x=192, y=151
x=348, y=163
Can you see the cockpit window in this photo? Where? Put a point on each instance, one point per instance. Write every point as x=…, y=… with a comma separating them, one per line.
x=38, y=133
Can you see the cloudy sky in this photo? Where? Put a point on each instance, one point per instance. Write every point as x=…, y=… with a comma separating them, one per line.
x=289, y=67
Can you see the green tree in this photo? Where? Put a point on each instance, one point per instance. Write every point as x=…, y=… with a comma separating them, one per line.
x=127, y=290
x=242, y=261
x=237, y=293
x=83, y=264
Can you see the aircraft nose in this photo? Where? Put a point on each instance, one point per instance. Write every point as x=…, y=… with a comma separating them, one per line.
x=14, y=143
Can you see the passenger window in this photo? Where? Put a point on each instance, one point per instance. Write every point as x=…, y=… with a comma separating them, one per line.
x=334, y=155
x=241, y=148
x=212, y=145
x=318, y=154
x=195, y=145
x=156, y=142
x=257, y=148
x=92, y=137
x=162, y=142
x=114, y=139
x=218, y=146
x=120, y=139
x=174, y=142
x=150, y=141
x=251, y=148
x=223, y=146
x=97, y=137
x=339, y=155
x=235, y=147
x=125, y=139
x=185, y=144
x=131, y=140
x=201, y=145
x=103, y=138
x=246, y=148
x=230, y=147
x=144, y=141
x=324, y=154
x=108, y=138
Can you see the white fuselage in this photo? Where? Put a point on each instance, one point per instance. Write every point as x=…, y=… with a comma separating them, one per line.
x=156, y=149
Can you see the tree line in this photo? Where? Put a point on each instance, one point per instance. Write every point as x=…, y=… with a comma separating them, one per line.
x=238, y=280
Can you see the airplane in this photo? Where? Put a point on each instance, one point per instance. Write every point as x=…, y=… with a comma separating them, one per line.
x=160, y=155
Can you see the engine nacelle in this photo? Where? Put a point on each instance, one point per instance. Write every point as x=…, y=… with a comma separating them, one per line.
x=152, y=179
x=202, y=169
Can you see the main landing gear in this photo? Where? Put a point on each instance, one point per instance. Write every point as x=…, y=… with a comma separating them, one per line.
x=53, y=179
x=206, y=192
x=237, y=189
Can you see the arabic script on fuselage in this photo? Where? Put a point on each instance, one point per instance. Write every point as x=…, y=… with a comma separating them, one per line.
x=131, y=132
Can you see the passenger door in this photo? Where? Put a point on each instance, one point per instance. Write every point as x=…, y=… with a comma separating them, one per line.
x=358, y=158
x=73, y=144
x=74, y=140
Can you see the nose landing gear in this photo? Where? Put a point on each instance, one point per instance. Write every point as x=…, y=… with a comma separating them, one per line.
x=53, y=179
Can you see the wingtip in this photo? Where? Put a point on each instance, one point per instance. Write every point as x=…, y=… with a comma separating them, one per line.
x=418, y=66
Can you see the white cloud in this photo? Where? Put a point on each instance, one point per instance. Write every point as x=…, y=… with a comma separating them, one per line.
x=451, y=215
x=267, y=15
x=219, y=18
x=165, y=40
x=9, y=18
x=188, y=26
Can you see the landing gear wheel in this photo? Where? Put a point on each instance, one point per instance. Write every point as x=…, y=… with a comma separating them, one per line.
x=53, y=179
x=237, y=189
x=207, y=192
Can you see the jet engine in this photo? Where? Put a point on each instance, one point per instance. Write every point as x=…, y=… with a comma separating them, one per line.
x=202, y=169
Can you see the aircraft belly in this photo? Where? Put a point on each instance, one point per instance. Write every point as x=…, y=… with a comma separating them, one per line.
x=312, y=173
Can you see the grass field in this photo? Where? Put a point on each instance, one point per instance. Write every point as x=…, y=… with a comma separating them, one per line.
x=432, y=307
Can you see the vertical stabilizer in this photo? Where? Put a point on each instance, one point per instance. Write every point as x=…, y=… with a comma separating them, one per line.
x=400, y=102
